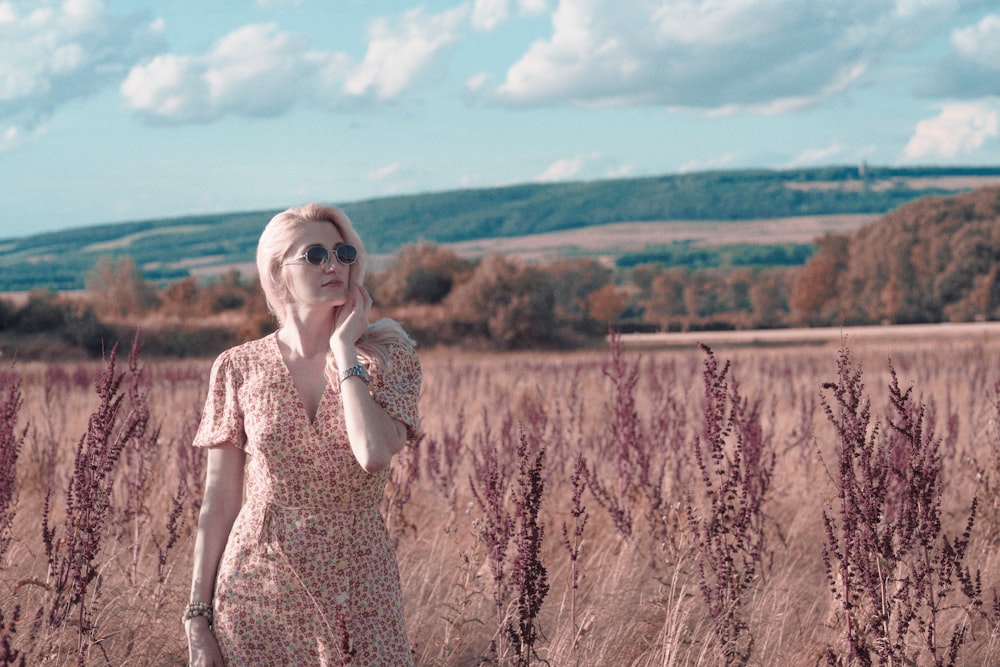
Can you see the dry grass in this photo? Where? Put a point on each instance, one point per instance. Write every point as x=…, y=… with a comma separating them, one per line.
x=638, y=601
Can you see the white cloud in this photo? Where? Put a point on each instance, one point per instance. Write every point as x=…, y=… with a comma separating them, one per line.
x=705, y=165
x=478, y=82
x=55, y=52
x=168, y=87
x=980, y=43
x=567, y=168
x=561, y=170
x=814, y=156
x=261, y=70
x=15, y=136
x=398, y=52
x=621, y=171
x=971, y=70
x=532, y=6
x=384, y=172
x=960, y=129
x=488, y=14
x=10, y=138
x=256, y=70
x=766, y=56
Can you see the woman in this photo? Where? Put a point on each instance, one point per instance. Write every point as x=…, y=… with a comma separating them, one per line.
x=292, y=561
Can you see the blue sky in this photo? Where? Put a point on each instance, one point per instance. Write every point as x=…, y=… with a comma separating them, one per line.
x=114, y=110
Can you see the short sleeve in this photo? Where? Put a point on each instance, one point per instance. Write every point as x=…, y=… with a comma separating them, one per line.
x=398, y=389
x=222, y=419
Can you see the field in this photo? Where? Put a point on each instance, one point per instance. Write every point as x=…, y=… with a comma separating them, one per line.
x=638, y=505
x=619, y=238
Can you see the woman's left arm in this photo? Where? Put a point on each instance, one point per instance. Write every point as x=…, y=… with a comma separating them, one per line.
x=375, y=437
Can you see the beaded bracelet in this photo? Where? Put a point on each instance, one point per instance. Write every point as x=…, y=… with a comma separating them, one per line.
x=198, y=609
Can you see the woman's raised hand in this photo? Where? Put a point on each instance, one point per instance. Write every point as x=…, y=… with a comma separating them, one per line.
x=351, y=319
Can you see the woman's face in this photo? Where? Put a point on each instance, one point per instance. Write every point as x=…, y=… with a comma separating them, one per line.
x=309, y=284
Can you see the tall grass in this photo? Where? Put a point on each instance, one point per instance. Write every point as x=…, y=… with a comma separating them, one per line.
x=771, y=506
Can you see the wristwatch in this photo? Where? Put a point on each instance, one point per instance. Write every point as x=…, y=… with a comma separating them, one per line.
x=355, y=371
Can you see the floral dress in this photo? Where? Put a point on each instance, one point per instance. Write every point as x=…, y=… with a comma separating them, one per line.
x=309, y=575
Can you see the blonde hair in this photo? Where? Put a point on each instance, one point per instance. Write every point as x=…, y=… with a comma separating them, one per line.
x=278, y=237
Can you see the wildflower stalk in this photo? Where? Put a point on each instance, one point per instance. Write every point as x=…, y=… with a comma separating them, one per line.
x=8, y=654
x=890, y=566
x=489, y=488
x=529, y=577
x=626, y=434
x=138, y=454
x=88, y=500
x=727, y=517
x=11, y=440
x=574, y=543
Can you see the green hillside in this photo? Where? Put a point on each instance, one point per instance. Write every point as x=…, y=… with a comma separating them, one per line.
x=170, y=248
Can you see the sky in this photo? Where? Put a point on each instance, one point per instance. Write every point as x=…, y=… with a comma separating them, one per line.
x=121, y=110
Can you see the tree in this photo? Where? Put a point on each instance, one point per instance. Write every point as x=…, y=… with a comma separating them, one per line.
x=814, y=296
x=606, y=304
x=663, y=302
x=574, y=282
x=181, y=298
x=118, y=289
x=769, y=298
x=421, y=273
x=923, y=261
x=505, y=302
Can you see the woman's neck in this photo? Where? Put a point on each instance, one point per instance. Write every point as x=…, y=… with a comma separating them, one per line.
x=307, y=334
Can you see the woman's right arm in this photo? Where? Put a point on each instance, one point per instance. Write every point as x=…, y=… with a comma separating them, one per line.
x=220, y=505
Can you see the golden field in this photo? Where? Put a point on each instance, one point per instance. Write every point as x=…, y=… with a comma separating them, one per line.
x=636, y=592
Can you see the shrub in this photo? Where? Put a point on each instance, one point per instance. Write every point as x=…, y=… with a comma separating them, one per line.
x=43, y=313
x=420, y=273
x=506, y=302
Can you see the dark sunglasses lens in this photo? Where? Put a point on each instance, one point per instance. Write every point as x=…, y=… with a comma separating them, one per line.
x=317, y=256
x=347, y=254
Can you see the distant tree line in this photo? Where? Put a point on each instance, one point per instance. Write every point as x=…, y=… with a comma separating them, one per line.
x=934, y=260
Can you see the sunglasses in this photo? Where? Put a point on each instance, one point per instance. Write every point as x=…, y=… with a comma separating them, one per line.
x=317, y=255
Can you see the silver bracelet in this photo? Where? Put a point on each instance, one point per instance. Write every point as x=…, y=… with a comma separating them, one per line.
x=354, y=371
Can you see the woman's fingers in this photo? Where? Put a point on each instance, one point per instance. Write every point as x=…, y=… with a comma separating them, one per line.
x=352, y=317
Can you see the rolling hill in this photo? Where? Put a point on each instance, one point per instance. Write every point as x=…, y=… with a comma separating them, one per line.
x=609, y=217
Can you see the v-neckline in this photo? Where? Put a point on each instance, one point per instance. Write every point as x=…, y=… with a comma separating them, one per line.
x=310, y=419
